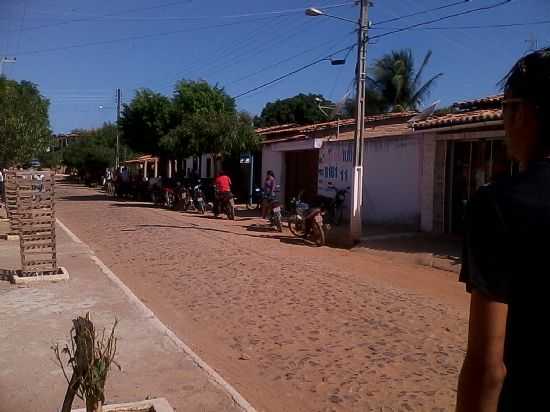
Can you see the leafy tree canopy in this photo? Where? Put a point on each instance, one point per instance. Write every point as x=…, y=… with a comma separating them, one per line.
x=191, y=97
x=93, y=152
x=24, y=122
x=301, y=109
x=145, y=120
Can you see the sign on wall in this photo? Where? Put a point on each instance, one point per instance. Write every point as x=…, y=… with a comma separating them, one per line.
x=335, y=166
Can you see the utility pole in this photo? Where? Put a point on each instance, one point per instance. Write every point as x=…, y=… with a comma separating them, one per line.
x=117, y=155
x=357, y=182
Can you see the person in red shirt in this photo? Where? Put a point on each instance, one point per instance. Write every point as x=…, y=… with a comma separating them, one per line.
x=223, y=191
x=223, y=183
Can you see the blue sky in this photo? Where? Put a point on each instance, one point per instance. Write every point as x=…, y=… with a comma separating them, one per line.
x=80, y=51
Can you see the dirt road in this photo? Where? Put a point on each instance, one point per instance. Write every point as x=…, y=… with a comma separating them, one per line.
x=293, y=328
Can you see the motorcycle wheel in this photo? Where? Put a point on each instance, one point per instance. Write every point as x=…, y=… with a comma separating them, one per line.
x=231, y=212
x=317, y=234
x=250, y=205
x=296, y=226
x=170, y=201
x=278, y=222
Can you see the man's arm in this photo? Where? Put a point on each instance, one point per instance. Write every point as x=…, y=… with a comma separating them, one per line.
x=483, y=371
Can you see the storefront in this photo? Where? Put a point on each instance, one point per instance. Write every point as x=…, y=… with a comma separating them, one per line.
x=463, y=151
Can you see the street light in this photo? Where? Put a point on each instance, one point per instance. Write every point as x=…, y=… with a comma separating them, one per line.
x=357, y=187
x=313, y=12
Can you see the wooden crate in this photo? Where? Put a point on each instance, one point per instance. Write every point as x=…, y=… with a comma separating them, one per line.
x=35, y=220
x=10, y=190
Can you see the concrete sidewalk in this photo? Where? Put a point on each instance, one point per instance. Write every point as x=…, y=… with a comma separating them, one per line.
x=34, y=318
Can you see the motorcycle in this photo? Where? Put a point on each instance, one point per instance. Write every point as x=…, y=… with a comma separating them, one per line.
x=225, y=203
x=255, y=202
x=198, y=199
x=335, y=206
x=275, y=217
x=307, y=222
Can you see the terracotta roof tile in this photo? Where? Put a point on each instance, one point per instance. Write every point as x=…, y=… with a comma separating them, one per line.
x=332, y=124
x=452, y=119
x=490, y=102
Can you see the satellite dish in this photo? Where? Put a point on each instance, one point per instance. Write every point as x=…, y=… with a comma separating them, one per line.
x=427, y=112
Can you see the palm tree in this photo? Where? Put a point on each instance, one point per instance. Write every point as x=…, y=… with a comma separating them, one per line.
x=397, y=84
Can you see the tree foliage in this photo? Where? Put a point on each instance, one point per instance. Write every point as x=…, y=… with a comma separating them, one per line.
x=145, y=120
x=208, y=122
x=399, y=84
x=93, y=152
x=300, y=109
x=199, y=118
x=24, y=122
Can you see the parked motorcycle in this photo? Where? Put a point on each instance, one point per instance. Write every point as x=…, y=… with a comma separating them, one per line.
x=306, y=222
x=257, y=198
x=198, y=199
x=275, y=218
x=335, y=207
x=225, y=203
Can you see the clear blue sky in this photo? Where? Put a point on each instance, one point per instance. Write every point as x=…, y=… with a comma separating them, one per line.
x=197, y=39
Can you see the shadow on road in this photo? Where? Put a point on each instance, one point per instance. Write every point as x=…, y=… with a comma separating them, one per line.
x=282, y=238
x=85, y=198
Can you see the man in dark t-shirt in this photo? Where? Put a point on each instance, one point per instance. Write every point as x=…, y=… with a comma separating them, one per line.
x=506, y=260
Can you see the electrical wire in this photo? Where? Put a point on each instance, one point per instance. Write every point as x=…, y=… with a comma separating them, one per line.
x=270, y=66
x=90, y=18
x=463, y=13
x=114, y=16
x=488, y=26
x=140, y=37
x=293, y=72
x=264, y=46
x=456, y=3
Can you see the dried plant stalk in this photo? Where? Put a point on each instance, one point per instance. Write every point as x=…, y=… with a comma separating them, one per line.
x=90, y=357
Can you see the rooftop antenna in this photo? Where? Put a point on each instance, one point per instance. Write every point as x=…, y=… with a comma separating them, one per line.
x=427, y=112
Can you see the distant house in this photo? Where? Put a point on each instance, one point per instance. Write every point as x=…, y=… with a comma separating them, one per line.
x=293, y=152
x=418, y=173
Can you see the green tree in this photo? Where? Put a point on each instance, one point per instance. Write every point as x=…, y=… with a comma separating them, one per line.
x=300, y=109
x=24, y=122
x=145, y=120
x=208, y=122
x=198, y=97
x=399, y=84
x=93, y=152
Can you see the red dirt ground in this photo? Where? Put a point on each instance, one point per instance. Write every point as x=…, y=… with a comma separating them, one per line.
x=293, y=328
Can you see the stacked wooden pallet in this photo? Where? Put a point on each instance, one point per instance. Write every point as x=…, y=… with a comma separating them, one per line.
x=35, y=215
x=10, y=190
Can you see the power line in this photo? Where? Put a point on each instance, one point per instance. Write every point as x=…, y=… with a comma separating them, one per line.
x=456, y=3
x=115, y=16
x=90, y=18
x=270, y=66
x=413, y=26
x=140, y=37
x=299, y=69
x=488, y=26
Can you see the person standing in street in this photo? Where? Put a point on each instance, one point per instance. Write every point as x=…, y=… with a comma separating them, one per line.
x=505, y=265
x=223, y=191
x=269, y=187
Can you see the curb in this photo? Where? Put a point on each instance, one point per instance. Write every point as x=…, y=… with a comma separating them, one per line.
x=214, y=376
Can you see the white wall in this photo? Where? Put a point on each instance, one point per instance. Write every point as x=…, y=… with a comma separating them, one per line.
x=272, y=160
x=427, y=198
x=391, y=180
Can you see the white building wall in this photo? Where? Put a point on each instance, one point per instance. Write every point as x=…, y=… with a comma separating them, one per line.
x=275, y=161
x=392, y=177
